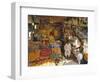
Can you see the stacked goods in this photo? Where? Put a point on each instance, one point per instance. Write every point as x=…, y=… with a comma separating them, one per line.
x=85, y=56
x=34, y=52
x=30, y=45
x=83, y=21
x=45, y=53
x=75, y=21
x=56, y=48
x=51, y=39
x=34, y=55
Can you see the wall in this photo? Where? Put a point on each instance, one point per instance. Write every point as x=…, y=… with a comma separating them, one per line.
x=5, y=38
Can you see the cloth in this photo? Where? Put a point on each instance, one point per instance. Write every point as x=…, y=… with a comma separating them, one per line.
x=67, y=49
